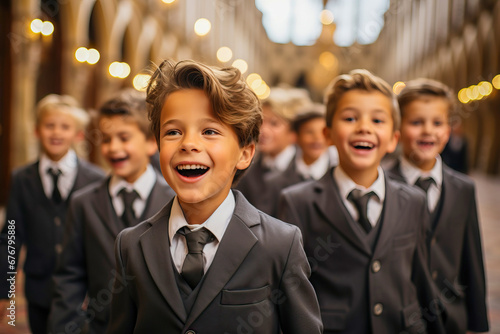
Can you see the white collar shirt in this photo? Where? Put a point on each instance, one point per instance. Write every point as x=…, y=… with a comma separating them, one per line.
x=68, y=165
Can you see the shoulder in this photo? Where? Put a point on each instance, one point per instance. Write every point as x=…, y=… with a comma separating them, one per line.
x=304, y=191
x=90, y=169
x=89, y=191
x=405, y=190
x=462, y=180
x=25, y=171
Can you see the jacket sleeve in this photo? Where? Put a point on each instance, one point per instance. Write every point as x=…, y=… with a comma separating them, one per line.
x=70, y=277
x=298, y=306
x=472, y=273
x=123, y=308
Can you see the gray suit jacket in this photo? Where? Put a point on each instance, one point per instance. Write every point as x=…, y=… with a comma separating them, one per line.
x=258, y=280
x=455, y=254
x=360, y=290
x=87, y=263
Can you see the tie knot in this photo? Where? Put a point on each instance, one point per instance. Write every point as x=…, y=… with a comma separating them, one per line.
x=361, y=204
x=55, y=173
x=356, y=197
x=128, y=197
x=424, y=183
x=196, y=240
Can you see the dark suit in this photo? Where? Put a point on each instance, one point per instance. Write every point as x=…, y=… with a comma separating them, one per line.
x=87, y=263
x=39, y=225
x=455, y=253
x=257, y=282
x=363, y=289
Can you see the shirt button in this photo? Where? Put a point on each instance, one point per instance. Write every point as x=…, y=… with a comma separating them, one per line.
x=434, y=275
x=378, y=309
x=376, y=266
x=190, y=332
x=58, y=248
x=57, y=221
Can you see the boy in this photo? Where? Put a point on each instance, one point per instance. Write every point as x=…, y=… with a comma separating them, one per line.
x=276, y=146
x=454, y=241
x=133, y=192
x=252, y=273
x=367, y=252
x=38, y=201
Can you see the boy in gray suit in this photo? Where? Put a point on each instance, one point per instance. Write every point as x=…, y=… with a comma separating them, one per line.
x=38, y=200
x=454, y=239
x=209, y=262
x=363, y=233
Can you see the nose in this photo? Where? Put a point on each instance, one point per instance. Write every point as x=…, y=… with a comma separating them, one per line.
x=364, y=125
x=190, y=143
x=428, y=127
x=114, y=144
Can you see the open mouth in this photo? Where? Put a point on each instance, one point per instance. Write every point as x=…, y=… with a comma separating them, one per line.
x=118, y=160
x=425, y=143
x=192, y=170
x=363, y=145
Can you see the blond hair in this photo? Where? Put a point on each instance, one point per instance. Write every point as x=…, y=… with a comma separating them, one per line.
x=286, y=102
x=362, y=80
x=62, y=103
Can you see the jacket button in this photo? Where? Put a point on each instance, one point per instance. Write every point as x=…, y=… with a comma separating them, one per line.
x=434, y=275
x=58, y=248
x=190, y=332
x=57, y=221
x=433, y=241
x=376, y=266
x=378, y=309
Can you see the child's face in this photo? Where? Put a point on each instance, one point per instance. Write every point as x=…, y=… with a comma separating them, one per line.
x=425, y=131
x=311, y=139
x=362, y=130
x=199, y=155
x=125, y=147
x=275, y=133
x=57, y=131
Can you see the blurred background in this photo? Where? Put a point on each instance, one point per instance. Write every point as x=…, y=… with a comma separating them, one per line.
x=91, y=48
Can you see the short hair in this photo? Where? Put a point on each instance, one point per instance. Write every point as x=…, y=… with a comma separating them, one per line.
x=129, y=103
x=232, y=101
x=421, y=89
x=313, y=112
x=286, y=102
x=62, y=103
x=362, y=80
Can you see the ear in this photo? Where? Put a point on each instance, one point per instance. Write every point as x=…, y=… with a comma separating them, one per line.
x=151, y=147
x=246, y=157
x=393, y=142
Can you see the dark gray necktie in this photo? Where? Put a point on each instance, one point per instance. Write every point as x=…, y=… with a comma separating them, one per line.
x=361, y=204
x=424, y=183
x=56, y=194
x=128, y=197
x=194, y=263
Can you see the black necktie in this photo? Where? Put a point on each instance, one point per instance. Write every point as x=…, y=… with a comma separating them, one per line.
x=193, y=266
x=128, y=197
x=424, y=183
x=56, y=195
x=361, y=204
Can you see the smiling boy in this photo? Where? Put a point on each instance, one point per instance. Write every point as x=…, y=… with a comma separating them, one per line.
x=209, y=262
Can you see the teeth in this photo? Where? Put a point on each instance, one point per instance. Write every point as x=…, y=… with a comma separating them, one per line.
x=363, y=143
x=181, y=167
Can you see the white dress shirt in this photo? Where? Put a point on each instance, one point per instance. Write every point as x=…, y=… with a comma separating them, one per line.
x=281, y=161
x=143, y=185
x=315, y=170
x=217, y=224
x=411, y=173
x=68, y=165
x=375, y=203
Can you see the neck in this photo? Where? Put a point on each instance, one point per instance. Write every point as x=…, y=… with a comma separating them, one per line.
x=198, y=213
x=308, y=160
x=424, y=165
x=364, y=178
x=56, y=158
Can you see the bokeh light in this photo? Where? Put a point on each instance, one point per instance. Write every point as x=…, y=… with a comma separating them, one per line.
x=47, y=28
x=141, y=81
x=36, y=26
x=398, y=87
x=241, y=65
x=82, y=54
x=326, y=17
x=224, y=54
x=202, y=27
x=119, y=69
x=94, y=56
x=328, y=60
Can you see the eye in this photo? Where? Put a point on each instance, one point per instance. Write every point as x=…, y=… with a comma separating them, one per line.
x=378, y=121
x=349, y=119
x=416, y=122
x=106, y=140
x=438, y=123
x=210, y=132
x=172, y=133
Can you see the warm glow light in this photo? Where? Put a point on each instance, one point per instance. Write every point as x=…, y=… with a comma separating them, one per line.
x=468, y=92
x=398, y=87
x=462, y=96
x=261, y=89
x=326, y=17
x=496, y=81
x=36, y=26
x=485, y=88
x=94, y=56
x=202, y=27
x=241, y=65
x=328, y=60
x=82, y=54
x=224, y=54
x=266, y=93
x=252, y=77
x=47, y=28
x=168, y=1
x=475, y=93
x=119, y=70
x=141, y=81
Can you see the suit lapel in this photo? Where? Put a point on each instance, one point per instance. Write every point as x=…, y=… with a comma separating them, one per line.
x=326, y=201
x=394, y=199
x=155, y=200
x=155, y=245
x=449, y=186
x=101, y=203
x=81, y=179
x=237, y=242
x=35, y=185
x=395, y=172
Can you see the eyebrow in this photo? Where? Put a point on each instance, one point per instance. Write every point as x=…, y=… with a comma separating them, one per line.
x=201, y=121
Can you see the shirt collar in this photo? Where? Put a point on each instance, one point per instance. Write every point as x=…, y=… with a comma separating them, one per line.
x=346, y=184
x=143, y=185
x=315, y=170
x=282, y=160
x=216, y=223
x=411, y=173
x=66, y=164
